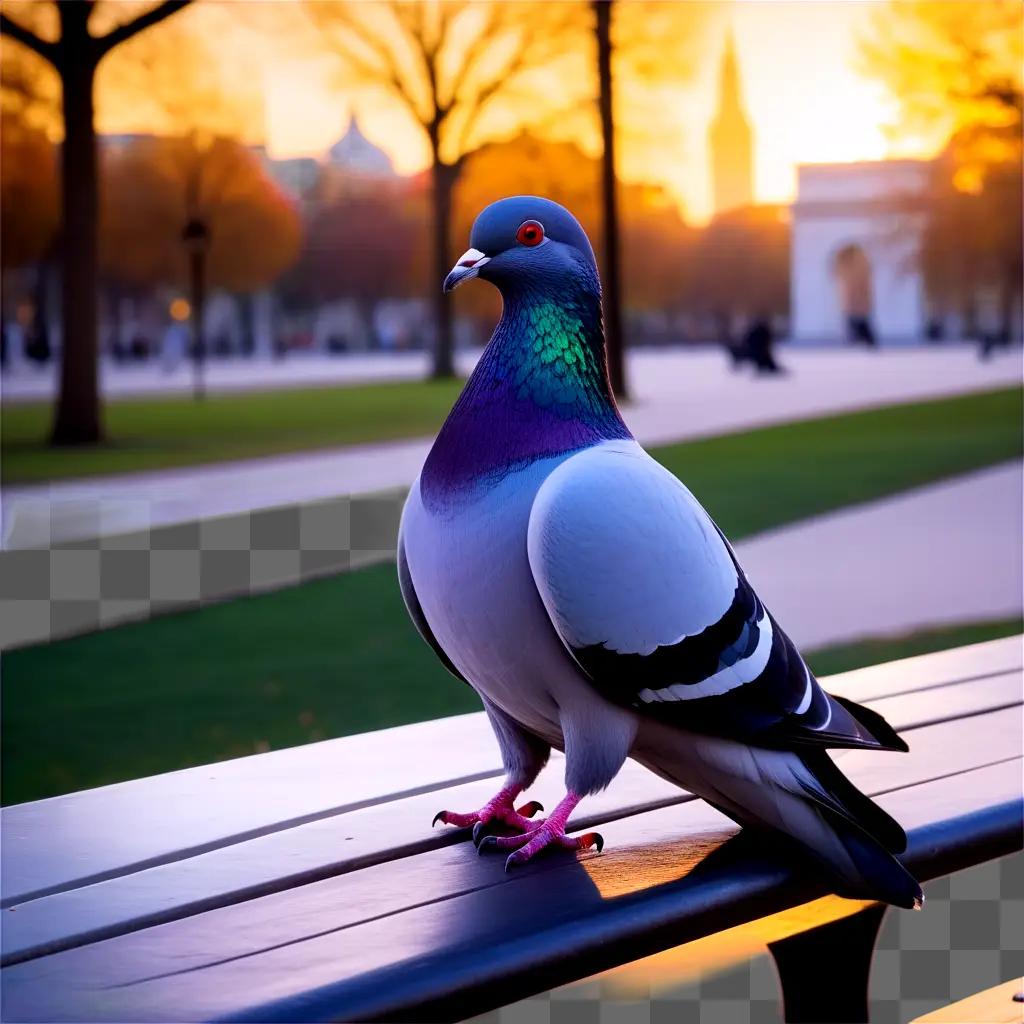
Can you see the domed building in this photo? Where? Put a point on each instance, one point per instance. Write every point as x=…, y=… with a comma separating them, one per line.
x=356, y=154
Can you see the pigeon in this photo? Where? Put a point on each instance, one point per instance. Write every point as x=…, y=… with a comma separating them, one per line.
x=594, y=606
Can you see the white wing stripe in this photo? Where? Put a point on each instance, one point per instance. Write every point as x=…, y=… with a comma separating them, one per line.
x=828, y=718
x=805, y=700
x=744, y=671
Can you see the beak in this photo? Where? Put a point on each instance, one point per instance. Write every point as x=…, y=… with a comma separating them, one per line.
x=468, y=267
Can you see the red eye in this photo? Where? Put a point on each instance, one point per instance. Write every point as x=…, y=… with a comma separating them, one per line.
x=531, y=232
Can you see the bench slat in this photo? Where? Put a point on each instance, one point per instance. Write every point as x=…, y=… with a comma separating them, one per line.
x=950, y=701
x=666, y=879
x=70, y=841
x=929, y=670
x=348, y=841
x=942, y=749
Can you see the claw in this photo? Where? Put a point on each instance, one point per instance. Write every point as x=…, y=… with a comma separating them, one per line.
x=497, y=811
x=592, y=839
x=486, y=843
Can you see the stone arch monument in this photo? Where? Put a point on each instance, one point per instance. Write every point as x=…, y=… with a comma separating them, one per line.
x=854, y=252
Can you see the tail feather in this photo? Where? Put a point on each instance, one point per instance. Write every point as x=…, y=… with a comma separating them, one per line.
x=879, y=875
x=841, y=796
x=882, y=731
x=845, y=831
x=803, y=796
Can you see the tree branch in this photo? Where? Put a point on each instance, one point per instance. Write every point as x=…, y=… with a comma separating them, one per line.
x=124, y=32
x=382, y=73
x=411, y=19
x=473, y=50
x=28, y=38
x=382, y=68
x=526, y=56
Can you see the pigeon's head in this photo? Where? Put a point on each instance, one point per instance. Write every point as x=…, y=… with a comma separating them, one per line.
x=527, y=242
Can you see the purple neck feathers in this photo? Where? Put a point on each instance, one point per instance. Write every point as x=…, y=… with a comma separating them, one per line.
x=540, y=390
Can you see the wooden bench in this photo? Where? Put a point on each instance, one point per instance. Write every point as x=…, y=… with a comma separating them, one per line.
x=307, y=884
x=1003, y=1004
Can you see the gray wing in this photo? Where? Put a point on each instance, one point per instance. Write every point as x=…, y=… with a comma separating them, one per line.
x=650, y=601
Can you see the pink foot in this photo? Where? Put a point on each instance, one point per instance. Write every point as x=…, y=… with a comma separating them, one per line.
x=498, y=809
x=548, y=833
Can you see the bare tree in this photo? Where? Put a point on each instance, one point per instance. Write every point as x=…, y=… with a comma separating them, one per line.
x=650, y=42
x=463, y=71
x=75, y=55
x=612, y=290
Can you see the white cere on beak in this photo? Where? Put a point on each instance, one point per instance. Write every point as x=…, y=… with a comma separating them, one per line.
x=468, y=266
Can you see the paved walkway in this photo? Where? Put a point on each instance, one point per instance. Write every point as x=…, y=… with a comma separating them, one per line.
x=31, y=382
x=942, y=554
x=677, y=395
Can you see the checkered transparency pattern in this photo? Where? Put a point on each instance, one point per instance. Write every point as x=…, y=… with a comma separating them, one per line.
x=969, y=937
x=54, y=591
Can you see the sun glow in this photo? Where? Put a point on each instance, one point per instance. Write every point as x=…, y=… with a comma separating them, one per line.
x=806, y=101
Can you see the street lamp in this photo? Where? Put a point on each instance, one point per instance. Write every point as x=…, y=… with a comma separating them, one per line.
x=196, y=236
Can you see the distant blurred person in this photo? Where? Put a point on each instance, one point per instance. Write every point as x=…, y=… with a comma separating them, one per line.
x=37, y=344
x=756, y=347
x=860, y=332
x=853, y=277
x=173, y=346
x=760, y=343
x=990, y=341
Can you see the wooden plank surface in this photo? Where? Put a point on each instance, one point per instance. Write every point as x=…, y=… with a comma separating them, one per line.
x=74, y=840
x=71, y=840
x=358, y=838
x=924, y=671
x=993, y=1006
x=355, y=947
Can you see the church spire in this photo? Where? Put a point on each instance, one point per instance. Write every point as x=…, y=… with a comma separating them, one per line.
x=729, y=77
x=731, y=137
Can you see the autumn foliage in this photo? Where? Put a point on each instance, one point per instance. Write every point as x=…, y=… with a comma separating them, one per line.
x=29, y=192
x=151, y=186
x=956, y=68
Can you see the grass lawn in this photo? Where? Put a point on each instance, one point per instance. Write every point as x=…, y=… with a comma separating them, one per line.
x=158, y=433
x=338, y=656
x=751, y=482
x=329, y=658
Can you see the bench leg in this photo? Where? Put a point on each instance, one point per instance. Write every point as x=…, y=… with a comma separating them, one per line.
x=824, y=972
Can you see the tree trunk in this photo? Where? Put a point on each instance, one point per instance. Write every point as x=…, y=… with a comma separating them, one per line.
x=77, y=419
x=367, y=306
x=41, y=325
x=246, y=303
x=612, y=286
x=197, y=288
x=1007, y=303
x=445, y=176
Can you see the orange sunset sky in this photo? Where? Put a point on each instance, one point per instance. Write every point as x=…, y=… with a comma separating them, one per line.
x=803, y=92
